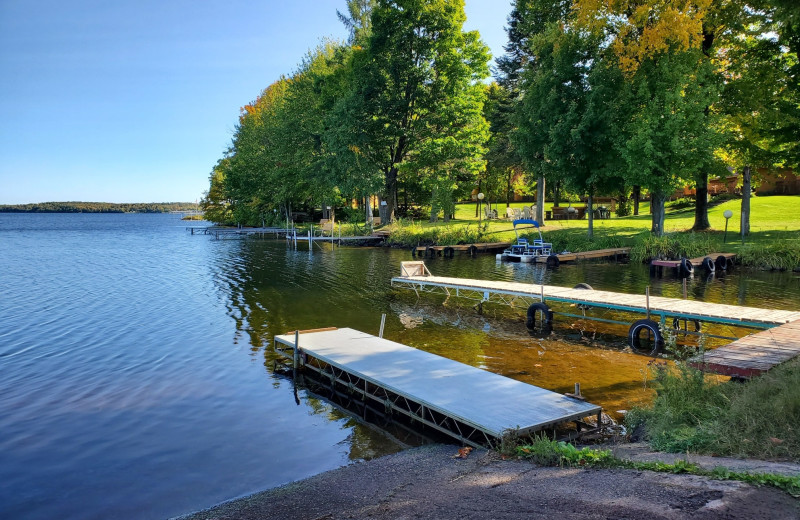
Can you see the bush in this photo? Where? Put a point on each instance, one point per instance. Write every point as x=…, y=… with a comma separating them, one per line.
x=779, y=255
x=693, y=412
x=672, y=246
x=413, y=234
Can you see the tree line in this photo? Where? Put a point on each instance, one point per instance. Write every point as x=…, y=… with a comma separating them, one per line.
x=592, y=97
x=98, y=207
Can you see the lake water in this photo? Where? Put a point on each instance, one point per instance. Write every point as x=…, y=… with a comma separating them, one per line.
x=136, y=379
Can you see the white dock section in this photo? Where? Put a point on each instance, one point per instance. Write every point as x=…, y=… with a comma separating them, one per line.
x=417, y=277
x=491, y=403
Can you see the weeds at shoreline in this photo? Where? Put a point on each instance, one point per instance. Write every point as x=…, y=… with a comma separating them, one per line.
x=546, y=452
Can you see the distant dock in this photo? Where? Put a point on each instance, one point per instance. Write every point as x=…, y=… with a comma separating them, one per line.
x=449, y=251
x=474, y=406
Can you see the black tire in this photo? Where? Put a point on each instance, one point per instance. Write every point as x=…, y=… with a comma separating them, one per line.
x=473, y=250
x=708, y=264
x=649, y=327
x=587, y=287
x=676, y=324
x=546, y=319
x=724, y=263
x=553, y=261
x=685, y=269
x=448, y=252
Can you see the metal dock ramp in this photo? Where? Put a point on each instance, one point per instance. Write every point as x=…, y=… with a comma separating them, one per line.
x=474, y=406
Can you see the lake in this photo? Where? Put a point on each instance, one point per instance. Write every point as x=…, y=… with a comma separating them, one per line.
x=136, y=378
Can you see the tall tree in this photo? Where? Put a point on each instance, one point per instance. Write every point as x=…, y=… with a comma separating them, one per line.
x=417, y=60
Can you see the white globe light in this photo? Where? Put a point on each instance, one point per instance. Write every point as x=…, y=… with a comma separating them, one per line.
x=728, y=213
x=480, y=196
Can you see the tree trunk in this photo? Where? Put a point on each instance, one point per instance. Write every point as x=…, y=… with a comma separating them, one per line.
x=701, y=203
x=657, y=209
x=540, y=201
x=556, y=198
x=637, y=193
x=478, y=201
x=508, y=190
x=387, y=211
x=591, y=216
x=745, y=219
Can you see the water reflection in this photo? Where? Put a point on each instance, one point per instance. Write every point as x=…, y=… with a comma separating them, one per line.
x=272, y=288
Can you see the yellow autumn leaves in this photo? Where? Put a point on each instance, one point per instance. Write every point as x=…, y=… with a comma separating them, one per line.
x=644, y=28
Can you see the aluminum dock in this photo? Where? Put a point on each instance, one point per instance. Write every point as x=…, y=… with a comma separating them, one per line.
x=472, y=405
x=415, y=276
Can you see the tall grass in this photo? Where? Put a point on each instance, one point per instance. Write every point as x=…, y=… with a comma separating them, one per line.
x=779, y=255
x=410, y=234
x=692, y=412
x=671, y=246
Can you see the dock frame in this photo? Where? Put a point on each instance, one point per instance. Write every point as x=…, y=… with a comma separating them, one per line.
x=394, y=395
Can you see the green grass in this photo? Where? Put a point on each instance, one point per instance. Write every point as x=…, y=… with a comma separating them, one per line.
x=546, y=452
x=774, y=241
x=696, y=413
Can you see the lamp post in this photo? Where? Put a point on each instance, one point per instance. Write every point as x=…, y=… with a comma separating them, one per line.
x=727, y=214
x=480, y=213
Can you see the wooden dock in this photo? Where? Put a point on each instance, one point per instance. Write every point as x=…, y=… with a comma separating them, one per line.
x=449, y=251
x=538, y=298
x=753, y=354
x=615, y=253
x=472, y=405
x=685, y=266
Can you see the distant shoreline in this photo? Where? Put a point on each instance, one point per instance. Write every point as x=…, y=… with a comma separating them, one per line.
x=98, y=207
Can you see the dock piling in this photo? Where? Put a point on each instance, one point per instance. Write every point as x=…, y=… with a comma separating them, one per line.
x=383, y=322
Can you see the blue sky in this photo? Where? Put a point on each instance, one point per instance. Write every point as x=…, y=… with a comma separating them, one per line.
x=134, y=101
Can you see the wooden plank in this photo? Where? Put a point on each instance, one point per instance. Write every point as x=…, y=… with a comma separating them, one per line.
x=491, y=402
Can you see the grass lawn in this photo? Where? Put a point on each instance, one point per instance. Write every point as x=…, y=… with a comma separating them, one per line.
x=773, y=218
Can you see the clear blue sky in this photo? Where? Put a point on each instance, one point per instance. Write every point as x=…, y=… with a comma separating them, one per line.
x=134, y=101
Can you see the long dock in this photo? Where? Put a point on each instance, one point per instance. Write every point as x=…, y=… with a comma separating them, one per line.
x=472, y=405
x=415, y=276
x=753, y=354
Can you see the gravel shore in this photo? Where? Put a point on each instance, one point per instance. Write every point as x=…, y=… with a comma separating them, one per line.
x=429, y=483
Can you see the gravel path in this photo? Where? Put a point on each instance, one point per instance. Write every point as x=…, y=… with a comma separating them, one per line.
x=428, y=482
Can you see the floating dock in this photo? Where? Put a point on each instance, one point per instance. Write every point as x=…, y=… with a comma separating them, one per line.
x=615, y=253
x=472, y=405
x=449, y=251
x=415, y=276
x=753, y=354
x=684, y=267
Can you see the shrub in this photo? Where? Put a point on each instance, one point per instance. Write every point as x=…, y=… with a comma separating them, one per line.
x=671, y=246
x=784, y=254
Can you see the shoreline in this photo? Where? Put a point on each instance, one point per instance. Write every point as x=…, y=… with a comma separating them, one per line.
x=429, y=482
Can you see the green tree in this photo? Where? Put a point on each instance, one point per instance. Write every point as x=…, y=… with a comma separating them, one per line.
x=418, y=66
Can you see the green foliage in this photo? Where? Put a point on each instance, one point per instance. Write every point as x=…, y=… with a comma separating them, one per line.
x=784, y=254
x=693, y=412
x=671, y=246
x=546, y=452
x=414, y=234
x=98, y=207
